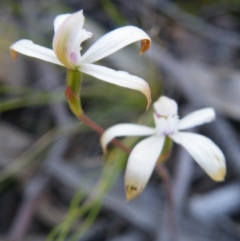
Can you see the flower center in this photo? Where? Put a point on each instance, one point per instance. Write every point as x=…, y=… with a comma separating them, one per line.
x=166, y=125
x=165, y=116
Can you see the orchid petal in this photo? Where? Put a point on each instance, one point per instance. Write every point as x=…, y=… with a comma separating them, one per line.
x=59, y=20
x=68, y=38
x=124, y=130
x=120, y=78
x=27, y=47
x=141, y=163
x=197, y=118
x=115, y=40
x=205, y=153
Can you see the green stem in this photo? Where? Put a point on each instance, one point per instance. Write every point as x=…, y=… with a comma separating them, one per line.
x=72, y=93
x=73, y=90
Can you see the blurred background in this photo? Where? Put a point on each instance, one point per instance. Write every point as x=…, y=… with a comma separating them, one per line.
x=55, y=183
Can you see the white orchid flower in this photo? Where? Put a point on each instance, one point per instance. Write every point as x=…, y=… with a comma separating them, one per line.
x=69, y=34
x=145, y=154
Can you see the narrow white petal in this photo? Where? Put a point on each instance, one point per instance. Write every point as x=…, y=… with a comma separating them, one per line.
x=27, y=47
x=115, y=40
x=141, y=163
x=59, y=20
x=204, y=152
x=197, y=118
x=120, y=78
x=124, y=130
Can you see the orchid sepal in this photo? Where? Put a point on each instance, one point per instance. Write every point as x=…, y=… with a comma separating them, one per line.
x=114, y=41
x=27, y=47
x=124, y=130
x=120, y=78
x=141, y=164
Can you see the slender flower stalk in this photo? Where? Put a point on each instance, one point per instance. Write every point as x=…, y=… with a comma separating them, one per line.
x=145, y=154
x=69, y=34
